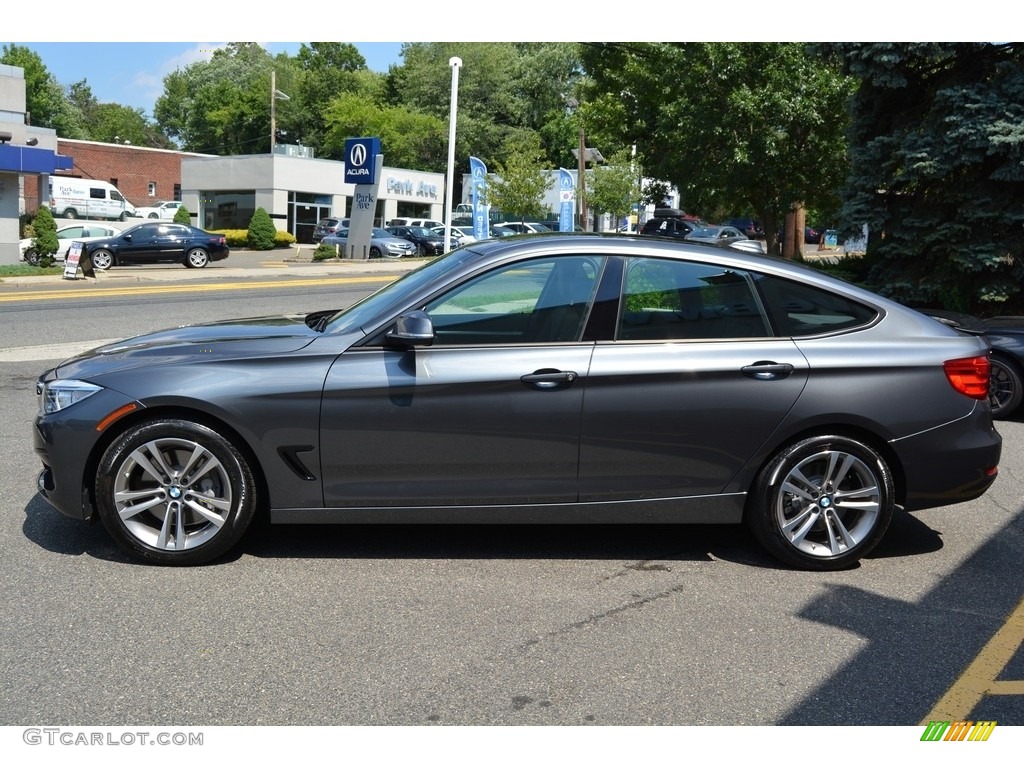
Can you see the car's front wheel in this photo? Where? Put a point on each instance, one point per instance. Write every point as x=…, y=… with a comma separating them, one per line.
x=102, y=259
x=374, y=252
x=1005, y=388
x=197, y=258
x=822, y=503
x=32, y=257
x=174, y=492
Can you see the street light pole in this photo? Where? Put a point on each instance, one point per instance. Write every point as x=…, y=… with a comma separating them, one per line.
x=582, y=172
x=454, y=62
x=274, y=96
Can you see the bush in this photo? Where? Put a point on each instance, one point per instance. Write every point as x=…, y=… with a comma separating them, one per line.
x=239, y=238
x=325, y=252
x=44, y=239
x=182, y=216
x=261, y=232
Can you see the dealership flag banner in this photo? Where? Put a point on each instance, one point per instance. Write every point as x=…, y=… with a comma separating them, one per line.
x=481, y=217
x=567, y=201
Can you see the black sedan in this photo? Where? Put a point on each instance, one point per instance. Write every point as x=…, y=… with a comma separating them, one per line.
x=536, y=379
x=427, y=242
x=158, y=242
x=1006, y=335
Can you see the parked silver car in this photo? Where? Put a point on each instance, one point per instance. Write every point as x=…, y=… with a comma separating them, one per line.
x=382, y=244
x=536, y=379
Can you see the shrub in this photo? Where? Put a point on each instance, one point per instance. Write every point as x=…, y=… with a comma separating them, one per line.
x=182, y=216
x=325, y=252
x=44, y=239
x=261, y=231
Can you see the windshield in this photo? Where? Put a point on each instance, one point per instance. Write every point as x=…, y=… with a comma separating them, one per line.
x=391, y=297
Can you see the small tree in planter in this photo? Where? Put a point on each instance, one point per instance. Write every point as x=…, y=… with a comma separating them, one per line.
x=261, y=231
x=182, y=216
x=44, y=241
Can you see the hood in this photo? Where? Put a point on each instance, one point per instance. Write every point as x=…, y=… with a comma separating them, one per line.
x=248, y=337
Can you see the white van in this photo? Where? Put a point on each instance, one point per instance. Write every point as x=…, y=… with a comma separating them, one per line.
x=88, y=199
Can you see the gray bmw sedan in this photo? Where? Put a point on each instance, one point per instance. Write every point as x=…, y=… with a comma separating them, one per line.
x=535, y=379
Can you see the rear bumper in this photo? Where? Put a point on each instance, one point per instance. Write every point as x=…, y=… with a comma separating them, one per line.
x=950, y=464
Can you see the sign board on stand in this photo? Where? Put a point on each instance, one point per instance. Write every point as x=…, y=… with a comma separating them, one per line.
x=363, y=165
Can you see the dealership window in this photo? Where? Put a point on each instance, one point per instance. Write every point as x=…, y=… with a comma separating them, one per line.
x=228, y=210
x=152, y=189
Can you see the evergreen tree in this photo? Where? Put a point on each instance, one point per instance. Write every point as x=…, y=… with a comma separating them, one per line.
x=261, y=231
x=182, y=216
x=937, y=171
x=44, y=241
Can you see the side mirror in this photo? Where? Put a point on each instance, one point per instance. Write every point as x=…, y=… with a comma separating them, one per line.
x=126, y=237
x=412, y=330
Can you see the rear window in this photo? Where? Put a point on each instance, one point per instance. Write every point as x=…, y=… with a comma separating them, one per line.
x=803, y=310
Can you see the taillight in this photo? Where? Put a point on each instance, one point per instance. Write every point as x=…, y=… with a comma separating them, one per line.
x=969, y=376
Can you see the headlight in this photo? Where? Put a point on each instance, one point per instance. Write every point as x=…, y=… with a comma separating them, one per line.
x=59, y=394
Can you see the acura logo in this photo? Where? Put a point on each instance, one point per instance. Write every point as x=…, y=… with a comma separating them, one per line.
x=357, y=156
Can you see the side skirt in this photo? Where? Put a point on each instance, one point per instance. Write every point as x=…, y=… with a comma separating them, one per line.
x=719, y=509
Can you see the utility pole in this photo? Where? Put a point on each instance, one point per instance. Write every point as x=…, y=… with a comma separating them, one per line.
x=583, y=180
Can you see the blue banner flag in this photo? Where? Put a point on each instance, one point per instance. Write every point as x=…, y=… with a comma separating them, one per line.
x=567, y=201
x=481, y=219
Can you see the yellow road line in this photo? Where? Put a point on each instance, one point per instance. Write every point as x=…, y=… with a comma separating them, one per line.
x=979, y=679
x=186, y=287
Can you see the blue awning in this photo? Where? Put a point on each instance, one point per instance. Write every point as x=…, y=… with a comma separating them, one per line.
x=18, y=159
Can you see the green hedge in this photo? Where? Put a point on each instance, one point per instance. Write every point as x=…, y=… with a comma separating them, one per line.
x=239, y=238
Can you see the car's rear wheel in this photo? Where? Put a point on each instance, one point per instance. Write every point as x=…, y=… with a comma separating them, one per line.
x=197, y=258
x=102, y=259
x=1005, y=388
x=174, y=492
x=822, y=503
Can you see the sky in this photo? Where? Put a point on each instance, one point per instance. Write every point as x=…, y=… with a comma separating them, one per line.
x=125, y=56
x=132, y=73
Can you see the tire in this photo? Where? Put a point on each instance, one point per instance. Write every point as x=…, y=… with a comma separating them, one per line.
x=374, y=252
x=823, y=503
x=154, y=216
x=1005, y=388
x=197, y=258
x=174, y=492
x=31, y=257
x=70, y=213
x=102, y=259
x=123, y=216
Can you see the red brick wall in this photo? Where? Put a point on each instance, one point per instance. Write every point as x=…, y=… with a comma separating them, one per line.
x=130, y=168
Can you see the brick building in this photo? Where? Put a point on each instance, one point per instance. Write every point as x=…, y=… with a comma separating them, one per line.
x=141, y=174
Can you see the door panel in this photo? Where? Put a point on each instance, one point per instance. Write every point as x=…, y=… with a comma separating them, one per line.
x=453, y=426
x=681, y=419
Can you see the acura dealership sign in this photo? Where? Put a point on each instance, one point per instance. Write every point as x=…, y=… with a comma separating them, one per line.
x=359, y=160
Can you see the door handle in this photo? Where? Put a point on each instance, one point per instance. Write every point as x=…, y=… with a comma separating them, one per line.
x=549, y=378
x=766, y=370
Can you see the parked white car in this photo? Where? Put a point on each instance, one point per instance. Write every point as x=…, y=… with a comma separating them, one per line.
x=462, y=234
x=161, y=210
x=65, y=237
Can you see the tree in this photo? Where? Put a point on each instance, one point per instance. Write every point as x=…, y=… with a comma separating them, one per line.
x=734, y=126
x=182, y=216
x=223, y=105
x=261, y=231
x=409, y=139
x=44, y=239
x=614, y=188
x=520, y=183
x=937, y=171
x=326, y=71
x=45, y=100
